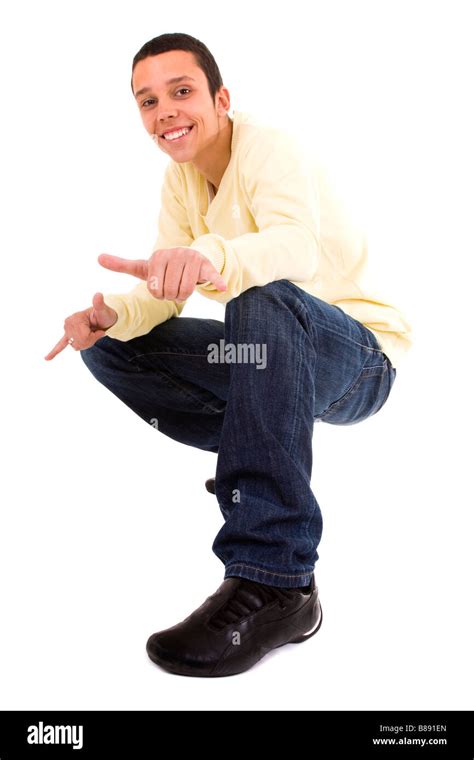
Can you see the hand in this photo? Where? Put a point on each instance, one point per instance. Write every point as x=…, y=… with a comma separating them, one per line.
x=171, y=273
x=86, y=327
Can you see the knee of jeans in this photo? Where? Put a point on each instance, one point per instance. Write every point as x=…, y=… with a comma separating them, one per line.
x=271, y=292
x=94, y=358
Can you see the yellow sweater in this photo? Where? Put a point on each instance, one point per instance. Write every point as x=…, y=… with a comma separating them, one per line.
x=274, y=217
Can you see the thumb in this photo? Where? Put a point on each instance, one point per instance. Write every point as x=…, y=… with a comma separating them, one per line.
x=102, y=316
x=98, y=302
x=208, y=273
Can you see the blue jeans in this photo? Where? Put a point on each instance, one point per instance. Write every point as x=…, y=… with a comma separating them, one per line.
x=315, y=363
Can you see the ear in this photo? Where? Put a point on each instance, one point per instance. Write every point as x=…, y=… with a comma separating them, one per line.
x=222, y=101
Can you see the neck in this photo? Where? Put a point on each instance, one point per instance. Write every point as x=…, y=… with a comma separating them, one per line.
x=213, y=163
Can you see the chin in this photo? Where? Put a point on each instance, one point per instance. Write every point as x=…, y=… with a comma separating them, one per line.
x=181, y=159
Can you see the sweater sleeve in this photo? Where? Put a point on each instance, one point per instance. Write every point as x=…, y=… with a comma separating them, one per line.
x=282, y=194
x=138, y=311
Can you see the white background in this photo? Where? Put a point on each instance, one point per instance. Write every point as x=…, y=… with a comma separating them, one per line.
x=105, y=526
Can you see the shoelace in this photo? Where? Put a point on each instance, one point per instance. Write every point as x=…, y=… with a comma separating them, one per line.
x=246, y=600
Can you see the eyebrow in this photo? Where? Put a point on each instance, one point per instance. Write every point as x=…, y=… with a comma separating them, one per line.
x=173, y=80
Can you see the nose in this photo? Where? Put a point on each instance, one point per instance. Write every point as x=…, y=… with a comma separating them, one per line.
x=164, y=114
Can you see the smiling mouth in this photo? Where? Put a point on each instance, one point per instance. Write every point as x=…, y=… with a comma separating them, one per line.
x=177, y=139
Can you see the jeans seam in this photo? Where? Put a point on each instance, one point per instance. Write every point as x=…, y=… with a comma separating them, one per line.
x=200, y=404
x=165, y=353
x=267, y=572
x=296, y=406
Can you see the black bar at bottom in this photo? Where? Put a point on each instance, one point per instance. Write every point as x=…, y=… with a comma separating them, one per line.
x=324, y=734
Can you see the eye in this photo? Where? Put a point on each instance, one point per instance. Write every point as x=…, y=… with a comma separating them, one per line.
x=151, y=100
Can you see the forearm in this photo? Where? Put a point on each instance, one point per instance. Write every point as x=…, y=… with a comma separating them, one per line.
x=287, y=251
x=138, y=312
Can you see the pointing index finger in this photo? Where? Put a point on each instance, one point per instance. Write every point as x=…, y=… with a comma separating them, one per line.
x=135, y=267
x=60, y=345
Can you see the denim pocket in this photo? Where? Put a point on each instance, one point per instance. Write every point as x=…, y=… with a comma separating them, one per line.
x=365, y=398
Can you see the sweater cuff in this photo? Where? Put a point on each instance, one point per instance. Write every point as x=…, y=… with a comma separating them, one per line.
x=214, y=251
x=115, y=302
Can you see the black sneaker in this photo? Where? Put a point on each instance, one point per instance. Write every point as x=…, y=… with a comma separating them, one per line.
x=235, y=627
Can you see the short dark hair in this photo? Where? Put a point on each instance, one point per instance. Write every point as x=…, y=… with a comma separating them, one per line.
x=178, y=41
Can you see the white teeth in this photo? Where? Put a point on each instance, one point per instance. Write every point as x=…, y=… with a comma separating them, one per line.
x=178, y=133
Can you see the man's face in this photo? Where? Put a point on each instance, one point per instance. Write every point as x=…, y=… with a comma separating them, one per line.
x=166, y=105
